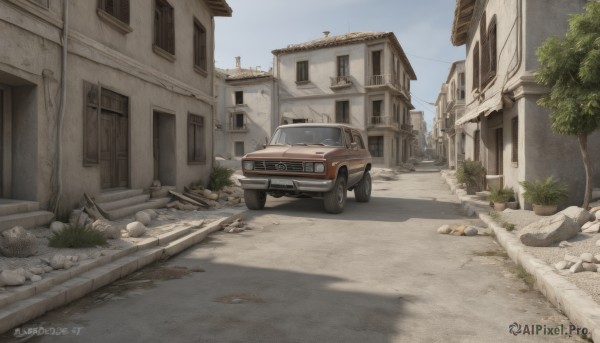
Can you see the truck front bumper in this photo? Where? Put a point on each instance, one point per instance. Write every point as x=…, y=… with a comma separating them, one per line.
x=268, y=183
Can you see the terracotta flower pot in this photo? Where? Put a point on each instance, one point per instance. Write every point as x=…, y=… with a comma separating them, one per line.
x=499, y=206
x=545, y=210
x=513, y=205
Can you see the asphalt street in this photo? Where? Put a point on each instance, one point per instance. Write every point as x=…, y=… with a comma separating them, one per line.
x=379, y=272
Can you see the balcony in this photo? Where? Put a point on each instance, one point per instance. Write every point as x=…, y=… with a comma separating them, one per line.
x=383, y=81
x=234, y=127
x=382, y=121
x=338, y=82
x=406, y=127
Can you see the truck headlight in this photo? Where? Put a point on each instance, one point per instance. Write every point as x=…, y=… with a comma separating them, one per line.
x=319, y=167
x=248, y=165
x=308, y=167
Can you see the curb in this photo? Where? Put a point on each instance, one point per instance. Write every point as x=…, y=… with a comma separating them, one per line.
x=577, y=305
x=33, y=300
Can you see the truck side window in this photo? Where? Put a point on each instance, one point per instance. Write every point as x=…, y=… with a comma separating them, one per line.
x=348, y=138
x=358, y=140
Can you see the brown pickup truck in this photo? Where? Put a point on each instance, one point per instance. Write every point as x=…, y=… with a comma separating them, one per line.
x=314, y=160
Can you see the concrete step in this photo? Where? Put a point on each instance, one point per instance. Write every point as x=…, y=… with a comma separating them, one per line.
x=126, y=202
x=10, y=206
x=162, y=192
x=27, y=220
x=117, y=194
x=129, y=210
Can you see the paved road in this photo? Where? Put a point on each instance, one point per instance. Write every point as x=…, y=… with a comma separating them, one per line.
x=379, y=272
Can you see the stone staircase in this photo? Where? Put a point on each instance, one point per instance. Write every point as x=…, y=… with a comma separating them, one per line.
x=124, y=202
x=22, y=213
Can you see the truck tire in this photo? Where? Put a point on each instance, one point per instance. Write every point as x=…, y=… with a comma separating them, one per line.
x=255, y=199
x=362, y=191
x=335, y=199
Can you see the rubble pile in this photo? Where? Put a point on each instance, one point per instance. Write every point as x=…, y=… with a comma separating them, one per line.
x=237, y=226
x=458, y=230
x=586, y=262
x=196, y=199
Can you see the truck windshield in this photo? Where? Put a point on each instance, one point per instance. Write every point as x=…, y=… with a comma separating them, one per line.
x=308, y=135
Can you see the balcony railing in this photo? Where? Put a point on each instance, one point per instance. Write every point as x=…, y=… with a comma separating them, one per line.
x=383, y=121
x=341, y=81
x=234, y=127
x=378, y=80
x=406, y=127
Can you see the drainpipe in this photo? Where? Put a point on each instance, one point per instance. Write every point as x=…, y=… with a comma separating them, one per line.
x=519, y=40
x=63, y=100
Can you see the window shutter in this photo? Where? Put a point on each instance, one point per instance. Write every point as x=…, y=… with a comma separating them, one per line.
x=91, y=124
x=476, y=66
x=170, y=30
x=124, y=11
x=492, y=41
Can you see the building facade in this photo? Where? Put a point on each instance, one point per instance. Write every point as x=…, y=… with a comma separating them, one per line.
x=362, y=79
x=245, y=106
x=419, y=130
x=104, y=95
x=511, y=133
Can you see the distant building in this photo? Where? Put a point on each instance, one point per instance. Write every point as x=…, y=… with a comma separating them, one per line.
x=361, y=78
x=135, y=103
x=244, y=118
x=511, y=132
x=419, y=130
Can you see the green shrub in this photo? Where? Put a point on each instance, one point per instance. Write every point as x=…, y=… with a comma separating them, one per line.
x=220, y=177
x=77, y=237
x=471, y=173
x=501, y=195
x=546, y=192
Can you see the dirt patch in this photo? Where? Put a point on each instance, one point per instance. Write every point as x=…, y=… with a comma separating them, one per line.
x=235, y=299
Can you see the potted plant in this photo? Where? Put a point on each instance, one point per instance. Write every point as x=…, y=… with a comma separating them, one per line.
x=544, y=195
x=471, y=173
x=500, y=197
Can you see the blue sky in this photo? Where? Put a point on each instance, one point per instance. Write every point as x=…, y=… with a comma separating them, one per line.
x=422, y=27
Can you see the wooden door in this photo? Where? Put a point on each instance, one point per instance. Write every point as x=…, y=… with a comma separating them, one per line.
x=114, y=150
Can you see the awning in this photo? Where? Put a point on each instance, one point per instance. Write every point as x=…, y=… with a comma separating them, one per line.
x=486, y=108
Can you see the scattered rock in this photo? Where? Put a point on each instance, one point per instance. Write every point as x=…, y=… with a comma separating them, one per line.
x=589, y=267
x=36, y=270
x=572, y=258
x=597, y=214
x=107, y=229
x=36, y=278
x=213, y=196
x=136, y=229
x=578, y=214
x=83, y=257
x=549, y=230
x=471, y=231
x=152, y=213
x=18, y=242
x=11, y=278
x=561, y=265
x=143, y=218
x=48, y=269
x=68, y=264
x=594, y=228
x=458, y=231
x=587, y=225
x=58, y=261
x=587, y=257
x=444, y=229
x=595, y=209
x=564, y=244
x=597, y=258
x=577, y=267
x=598, y=243
x=57, y=227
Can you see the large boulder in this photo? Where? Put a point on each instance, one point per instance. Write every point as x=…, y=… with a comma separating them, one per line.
x=11, y=278
x=18, y=242
x=580, y=215
x=136, y=229
x=143, y=217
x=549, y=230
x=107, y=229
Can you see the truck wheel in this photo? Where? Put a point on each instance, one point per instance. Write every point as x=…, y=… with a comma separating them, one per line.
x=335, y=199
x=255, y=199
x=362, y=191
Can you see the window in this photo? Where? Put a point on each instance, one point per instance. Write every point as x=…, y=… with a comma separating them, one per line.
x=476, y=66
x=343, y=65
x=238, y=121
x=460, y=91
x=164, y=26
x=376, y=111
x=239, y=149
x=376, y=61
x=376, y=146
x=91, y=139
x=302, y=71
x=196, y=139
x=239, y=97
x=299, y=121
x=515, y=140
x=358, y=140
x=342, y=112
x=116, y=8
x=489, y=70
x=200, y=53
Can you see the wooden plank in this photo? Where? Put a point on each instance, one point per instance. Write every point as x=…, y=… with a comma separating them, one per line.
x=187, y=199
x=93, y=210
x=197, y=198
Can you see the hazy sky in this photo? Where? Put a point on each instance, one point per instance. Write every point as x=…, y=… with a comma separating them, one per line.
x=423, y=28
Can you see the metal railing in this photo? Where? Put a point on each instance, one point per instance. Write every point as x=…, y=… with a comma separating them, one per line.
x=378, y=80
x=382, y=121
x=340, y=81
x=237, y=127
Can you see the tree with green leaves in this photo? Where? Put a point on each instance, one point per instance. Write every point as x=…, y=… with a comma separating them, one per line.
x=570, y=67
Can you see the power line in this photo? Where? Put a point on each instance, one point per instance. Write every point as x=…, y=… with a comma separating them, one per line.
x=429, y=58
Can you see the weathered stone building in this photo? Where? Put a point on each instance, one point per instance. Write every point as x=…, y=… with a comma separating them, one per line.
x=244, y=122
x=419, y=130
x=103, y=97
x=512, y=135
x=361, y=78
